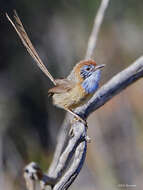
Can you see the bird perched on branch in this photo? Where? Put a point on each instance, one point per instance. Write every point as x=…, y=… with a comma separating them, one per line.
x=77, y=88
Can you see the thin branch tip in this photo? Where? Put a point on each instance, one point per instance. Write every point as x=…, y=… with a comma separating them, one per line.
x=96, y=27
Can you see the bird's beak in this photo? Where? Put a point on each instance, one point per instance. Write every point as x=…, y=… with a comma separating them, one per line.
x=99, y=66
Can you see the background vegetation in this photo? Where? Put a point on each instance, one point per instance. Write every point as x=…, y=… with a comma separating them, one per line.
x=29, y=123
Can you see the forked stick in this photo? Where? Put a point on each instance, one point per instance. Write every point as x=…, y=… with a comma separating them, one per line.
x=96, y=27
x=18, y=26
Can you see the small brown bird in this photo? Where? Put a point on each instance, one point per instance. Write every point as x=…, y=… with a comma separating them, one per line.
x=77, y=88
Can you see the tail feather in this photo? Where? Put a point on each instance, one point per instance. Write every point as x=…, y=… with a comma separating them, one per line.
x=18, y=26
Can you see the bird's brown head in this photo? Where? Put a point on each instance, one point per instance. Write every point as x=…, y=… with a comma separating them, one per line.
x=85, y=69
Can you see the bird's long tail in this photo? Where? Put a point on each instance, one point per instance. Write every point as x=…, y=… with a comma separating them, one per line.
x=18, y=26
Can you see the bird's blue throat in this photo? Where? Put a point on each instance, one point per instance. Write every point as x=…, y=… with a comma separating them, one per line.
x=91, y=83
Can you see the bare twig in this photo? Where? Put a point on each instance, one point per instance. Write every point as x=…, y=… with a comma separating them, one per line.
x=77, y=146
x=74, y=169
x=96, y=27
x=79, y=137
x=79, y=134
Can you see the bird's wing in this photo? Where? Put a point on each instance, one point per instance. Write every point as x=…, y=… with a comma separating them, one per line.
x=62, y=86
x=18, y=26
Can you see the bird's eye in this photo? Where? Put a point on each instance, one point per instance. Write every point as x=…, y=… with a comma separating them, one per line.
x=88, y=68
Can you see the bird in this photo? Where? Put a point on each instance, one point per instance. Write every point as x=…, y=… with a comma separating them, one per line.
x=73, y=91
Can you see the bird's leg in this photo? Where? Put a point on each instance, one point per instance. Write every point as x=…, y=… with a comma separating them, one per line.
x=77, y=117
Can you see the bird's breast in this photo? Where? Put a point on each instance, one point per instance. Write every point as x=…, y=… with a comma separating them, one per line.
x=91, y=83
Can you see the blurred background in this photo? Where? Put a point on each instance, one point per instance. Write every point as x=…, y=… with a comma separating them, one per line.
x=29, y=124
